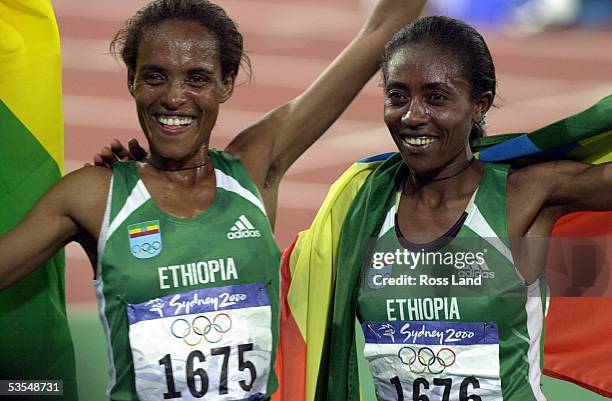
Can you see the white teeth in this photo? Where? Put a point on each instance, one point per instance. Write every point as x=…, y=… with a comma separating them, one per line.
x=420, y=141
x=175, y=120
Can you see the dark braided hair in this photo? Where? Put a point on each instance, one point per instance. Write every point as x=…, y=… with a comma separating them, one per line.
x=461, y=40
x=209, y=15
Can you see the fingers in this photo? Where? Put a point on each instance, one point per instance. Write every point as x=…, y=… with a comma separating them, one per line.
x=137, y=152
x=110, y=155
x=98, y=160
x=119, y=151
x=105, y=158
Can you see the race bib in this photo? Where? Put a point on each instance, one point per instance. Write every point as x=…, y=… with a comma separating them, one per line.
x=433, y=361
x=206, y=344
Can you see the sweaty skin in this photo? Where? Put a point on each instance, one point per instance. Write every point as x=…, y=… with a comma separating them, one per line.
x=426, y=96
x=178, y=75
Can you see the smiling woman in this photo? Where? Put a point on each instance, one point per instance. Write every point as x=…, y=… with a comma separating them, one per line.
x=178, y=85
x=442, y=329
x=192, y=225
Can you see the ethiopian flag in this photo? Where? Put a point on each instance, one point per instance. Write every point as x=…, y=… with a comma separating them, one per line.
x=36, y=343
x=578, y=340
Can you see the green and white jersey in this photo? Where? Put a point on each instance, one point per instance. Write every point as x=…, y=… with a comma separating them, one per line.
x=453, y=320
x=190, y=307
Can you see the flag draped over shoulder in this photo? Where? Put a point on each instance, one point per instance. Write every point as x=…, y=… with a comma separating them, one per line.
x=309, y=266
x=35, y=342
x=308, y=285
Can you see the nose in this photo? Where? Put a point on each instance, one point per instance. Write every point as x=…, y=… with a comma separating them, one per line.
x=174, y=95
x=416, y=115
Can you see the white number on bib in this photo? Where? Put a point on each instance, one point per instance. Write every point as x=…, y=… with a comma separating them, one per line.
x=433, y=361
x=212, y=344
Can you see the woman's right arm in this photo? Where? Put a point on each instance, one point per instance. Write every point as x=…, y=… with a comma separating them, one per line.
x=72, y=209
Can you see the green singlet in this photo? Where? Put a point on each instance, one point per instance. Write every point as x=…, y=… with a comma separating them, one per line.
x=453, y=320
x=190, y=307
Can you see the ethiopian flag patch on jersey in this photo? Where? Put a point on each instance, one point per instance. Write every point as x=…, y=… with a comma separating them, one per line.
x=145, y=239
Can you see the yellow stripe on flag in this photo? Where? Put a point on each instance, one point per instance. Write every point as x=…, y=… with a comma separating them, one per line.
x=310, y=292
x=594, y=150
x=33, y=94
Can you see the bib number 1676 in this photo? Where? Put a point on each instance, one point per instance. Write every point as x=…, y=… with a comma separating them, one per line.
x=421, y=383
x=199, y=388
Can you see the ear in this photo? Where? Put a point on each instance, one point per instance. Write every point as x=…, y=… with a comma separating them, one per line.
x=482, y=105
x=130, y=82
x=227, y=88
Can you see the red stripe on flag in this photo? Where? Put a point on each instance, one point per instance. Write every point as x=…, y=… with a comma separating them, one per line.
x=578, y=334
x=291, y=355
x=143, y=233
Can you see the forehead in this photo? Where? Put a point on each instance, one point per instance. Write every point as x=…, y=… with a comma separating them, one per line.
x=423, y=64
x=178, y=43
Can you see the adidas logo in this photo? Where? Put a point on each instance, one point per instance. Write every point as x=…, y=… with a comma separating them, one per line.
x=243, y=228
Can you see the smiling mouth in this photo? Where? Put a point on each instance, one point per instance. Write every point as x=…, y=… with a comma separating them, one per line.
x=174, y=121
x=174, y=124
x=419, y=142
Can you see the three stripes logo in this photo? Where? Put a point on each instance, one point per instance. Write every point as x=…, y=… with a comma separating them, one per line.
x=242, y=228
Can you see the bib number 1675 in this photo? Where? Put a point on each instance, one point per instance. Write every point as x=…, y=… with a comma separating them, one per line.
x=421, y=383
x=199, y=388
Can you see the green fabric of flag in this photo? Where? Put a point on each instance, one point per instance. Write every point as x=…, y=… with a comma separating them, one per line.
x=363, y=220
x=584, y=136
x=36, y=342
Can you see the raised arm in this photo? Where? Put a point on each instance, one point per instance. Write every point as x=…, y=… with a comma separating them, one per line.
x=71, y=210
x=579, y=186
x=271, y=145
x=546, y=191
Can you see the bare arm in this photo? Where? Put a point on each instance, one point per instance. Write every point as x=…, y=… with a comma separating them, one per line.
x=540, y=194
x=70, y=210
x=271, y=145
x=579, y=186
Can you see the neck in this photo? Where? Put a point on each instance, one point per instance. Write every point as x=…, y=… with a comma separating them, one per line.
x=448, y=179
x=189, y=166
x=441, y=175
x=197, y=161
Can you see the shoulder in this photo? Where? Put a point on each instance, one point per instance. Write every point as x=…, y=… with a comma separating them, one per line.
x=231, y=165
x=546, y=184
x=84, y=193
x=546, y=174
x=224, y=158
x=87, y=186
x=76, y=202
x=90, y=176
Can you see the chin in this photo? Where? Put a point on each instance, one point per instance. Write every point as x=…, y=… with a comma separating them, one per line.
x=169, y=152
x=422, y=165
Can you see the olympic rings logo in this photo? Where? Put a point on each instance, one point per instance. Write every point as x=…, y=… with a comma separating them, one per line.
x=201, y=327
x=425, y=359
x=147, y=247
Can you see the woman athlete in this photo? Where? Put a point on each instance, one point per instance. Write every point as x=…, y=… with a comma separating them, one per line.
x=451, y=306
x=186, y=268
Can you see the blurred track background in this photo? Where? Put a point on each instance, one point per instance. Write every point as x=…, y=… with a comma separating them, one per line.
x=542, y=78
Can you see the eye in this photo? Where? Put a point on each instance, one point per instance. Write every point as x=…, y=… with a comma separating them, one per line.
x=396, y=97
x=153, y=78
x=198, y=79
x=438, y=97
